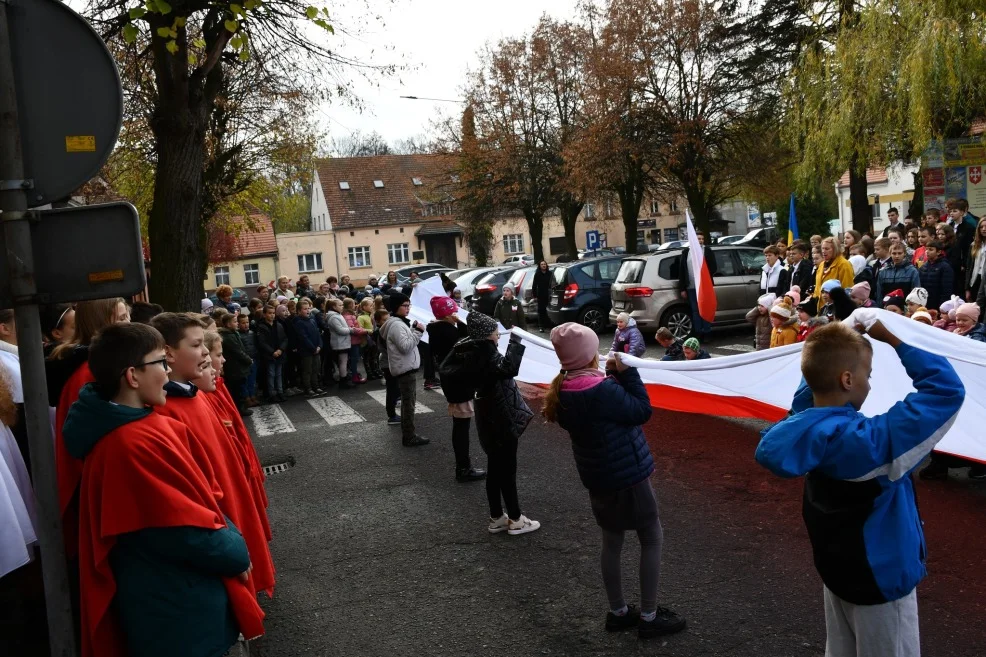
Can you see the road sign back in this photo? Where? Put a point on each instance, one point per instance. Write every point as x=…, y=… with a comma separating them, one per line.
x=69, y=99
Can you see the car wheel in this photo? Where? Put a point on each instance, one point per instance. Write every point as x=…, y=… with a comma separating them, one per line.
x=594, y=318
x=679, y=321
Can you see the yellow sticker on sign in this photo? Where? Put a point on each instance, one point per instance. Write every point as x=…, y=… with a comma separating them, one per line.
x=106, y=276
x=80, y=144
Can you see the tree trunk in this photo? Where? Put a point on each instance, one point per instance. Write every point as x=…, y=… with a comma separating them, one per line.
x=569, y=216
x=175, y=230
x=859, y=203
x=535, y=226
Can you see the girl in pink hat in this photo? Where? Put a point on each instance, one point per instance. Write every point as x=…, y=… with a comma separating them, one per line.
x=602, y=414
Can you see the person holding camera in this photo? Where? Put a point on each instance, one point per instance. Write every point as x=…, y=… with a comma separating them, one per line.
x=502, y=415
x=401, y=337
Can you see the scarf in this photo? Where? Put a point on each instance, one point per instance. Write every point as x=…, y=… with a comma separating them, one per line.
x=770, y=276
x=577, y=374
x=9, y=348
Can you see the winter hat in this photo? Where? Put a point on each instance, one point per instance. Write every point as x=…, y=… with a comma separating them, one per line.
x=767, y=300
x=235, y=307
x=442, y=307
x=782, y=310
x=922, y=315
x=575, y=345
x=207, y=305
x=950, y=306
x=969, y=310
x=375, y=291
x=795, y=295
x=282, y=299
x=395, y=300
x=368, y=289
x=918, y=295
x=623, y=317
x=508, y=286
x=809, y=306
x=893, y=301
x=830, y=285
x=692, y=343
x=858, y=262
x=795, y=288
x=480, y=326
x=860, y=291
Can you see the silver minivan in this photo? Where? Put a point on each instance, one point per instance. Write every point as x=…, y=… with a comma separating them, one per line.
x=647, y=288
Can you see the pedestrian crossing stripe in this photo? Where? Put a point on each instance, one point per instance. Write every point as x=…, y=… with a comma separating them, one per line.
x=335, y=411
x=270, y=419
x=381, y=397
x=737, y=347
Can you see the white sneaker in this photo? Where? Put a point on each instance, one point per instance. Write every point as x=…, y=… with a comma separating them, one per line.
x=522, y=525
x=500, y=524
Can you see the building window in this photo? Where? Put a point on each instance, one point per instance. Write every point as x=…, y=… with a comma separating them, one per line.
x=513, y=243
x=590, y=211
x=222, y=275
x=398, y=254
x=674, y=207
x=359, y=256
x=309, y=262
x=655, y=208
x=437, y=209
x=876, y=211
x=251, y=274
x=609, y=208
x=670, y=234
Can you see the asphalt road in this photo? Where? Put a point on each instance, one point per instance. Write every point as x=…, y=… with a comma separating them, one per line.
x=379, y=551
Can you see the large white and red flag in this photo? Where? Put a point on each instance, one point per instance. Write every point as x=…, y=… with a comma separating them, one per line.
x=704, y=291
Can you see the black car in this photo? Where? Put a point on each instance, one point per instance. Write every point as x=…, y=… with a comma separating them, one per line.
x=489, y=289
x=580, y=292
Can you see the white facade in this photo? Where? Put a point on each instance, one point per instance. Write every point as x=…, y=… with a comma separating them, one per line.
x=892, y=189
x=320, y=219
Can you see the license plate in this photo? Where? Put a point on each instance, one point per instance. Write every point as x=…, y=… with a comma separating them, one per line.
x=619, y=305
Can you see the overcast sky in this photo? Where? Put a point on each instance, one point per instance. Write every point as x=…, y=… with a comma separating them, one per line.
x=438, y=41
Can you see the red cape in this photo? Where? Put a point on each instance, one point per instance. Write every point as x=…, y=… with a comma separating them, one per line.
x=215, y=449
x=225, y=408
x=69, y=469
x=138, y=476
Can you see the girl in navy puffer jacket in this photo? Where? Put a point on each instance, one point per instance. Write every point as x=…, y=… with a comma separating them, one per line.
x=602, y=414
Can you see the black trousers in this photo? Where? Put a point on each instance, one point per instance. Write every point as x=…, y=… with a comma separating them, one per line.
x=460, y=442
x=501, y=479
x=544, y=322
x=393, y=393
x=427, y=362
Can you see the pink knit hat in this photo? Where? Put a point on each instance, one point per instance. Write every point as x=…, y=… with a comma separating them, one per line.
x=575, y=345
x=969, y=310
x=860, y=291
x=795, y=294
x=442, y=307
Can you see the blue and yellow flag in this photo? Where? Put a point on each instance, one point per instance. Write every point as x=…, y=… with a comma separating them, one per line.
x=792, y=224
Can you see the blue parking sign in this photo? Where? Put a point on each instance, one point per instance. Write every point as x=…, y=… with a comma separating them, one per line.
x=591, y=240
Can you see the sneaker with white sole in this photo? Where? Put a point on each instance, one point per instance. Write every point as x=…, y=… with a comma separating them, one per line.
x=500, y=524
x=522, y=525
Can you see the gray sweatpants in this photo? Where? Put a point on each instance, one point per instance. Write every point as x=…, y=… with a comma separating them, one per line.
x=887, y=630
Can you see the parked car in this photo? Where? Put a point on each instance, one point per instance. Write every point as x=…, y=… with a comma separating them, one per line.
x=647, y=288
x=455, y=274
x=729, y=239
x=581, y=292
x=760, y=237
x=673, y=244
x=467, y=282
x=239, y=296
x=598, y=253
x=525, y=259
x=404, y=273
x=489, y=289
x=428, y=273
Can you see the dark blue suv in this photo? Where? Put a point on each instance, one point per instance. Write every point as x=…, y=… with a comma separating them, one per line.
x=581, y=292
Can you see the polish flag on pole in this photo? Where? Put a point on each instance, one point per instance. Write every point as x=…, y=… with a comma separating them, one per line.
x=704, y=291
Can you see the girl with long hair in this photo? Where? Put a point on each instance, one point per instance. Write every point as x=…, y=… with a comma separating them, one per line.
x=603, y=414
x=977, y=258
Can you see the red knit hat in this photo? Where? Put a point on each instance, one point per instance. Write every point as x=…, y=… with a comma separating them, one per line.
x=442, y=307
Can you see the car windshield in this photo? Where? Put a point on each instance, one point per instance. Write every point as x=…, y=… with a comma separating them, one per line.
x=631, y=271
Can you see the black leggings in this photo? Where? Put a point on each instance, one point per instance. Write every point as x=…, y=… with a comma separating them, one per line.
x=501, y=479
x=544, y=322
x=460, y=442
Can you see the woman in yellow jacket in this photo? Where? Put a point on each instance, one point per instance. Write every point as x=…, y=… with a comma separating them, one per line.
x=784, y=325
x=832, y=267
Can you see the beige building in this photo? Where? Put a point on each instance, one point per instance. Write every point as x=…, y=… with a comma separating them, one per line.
x=245, y=260
x=373, y=214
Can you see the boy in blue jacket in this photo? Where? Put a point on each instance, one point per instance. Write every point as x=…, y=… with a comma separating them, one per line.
x=308, y=342
x=859, y=505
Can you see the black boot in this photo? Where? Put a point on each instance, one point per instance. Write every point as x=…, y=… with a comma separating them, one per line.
x=469, y=473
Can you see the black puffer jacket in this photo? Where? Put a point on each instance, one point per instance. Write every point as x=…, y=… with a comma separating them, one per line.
x=476, y=365
x=442, y=337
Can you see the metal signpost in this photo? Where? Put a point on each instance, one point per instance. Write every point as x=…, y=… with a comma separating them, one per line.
x=60, y=114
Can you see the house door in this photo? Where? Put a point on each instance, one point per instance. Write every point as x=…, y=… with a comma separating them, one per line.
x=441, y=249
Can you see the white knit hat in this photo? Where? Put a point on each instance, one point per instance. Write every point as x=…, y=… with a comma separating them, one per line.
x=918, y=295
x=781, y=310
x=767, y=300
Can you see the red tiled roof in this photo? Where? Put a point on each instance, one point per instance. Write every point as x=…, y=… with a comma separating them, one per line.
x=399, y=201
x=873, y=175
x=255, y=237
